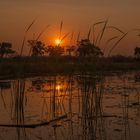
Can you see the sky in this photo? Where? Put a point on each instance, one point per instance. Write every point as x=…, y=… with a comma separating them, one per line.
x=77, y=15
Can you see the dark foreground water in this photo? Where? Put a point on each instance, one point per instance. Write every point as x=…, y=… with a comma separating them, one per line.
x=78, y=107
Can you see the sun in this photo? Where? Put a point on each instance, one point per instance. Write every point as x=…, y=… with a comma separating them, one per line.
x=58, y=87
x=58, y=42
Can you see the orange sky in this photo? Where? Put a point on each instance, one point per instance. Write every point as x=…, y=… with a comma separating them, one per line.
x=77, y=15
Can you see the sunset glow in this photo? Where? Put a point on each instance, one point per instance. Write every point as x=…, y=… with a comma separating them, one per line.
x=69, y=69
x=58, y=42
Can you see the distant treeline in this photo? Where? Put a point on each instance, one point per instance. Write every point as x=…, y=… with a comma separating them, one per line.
x=84, y=48
x=44, y=65
x=89, y=46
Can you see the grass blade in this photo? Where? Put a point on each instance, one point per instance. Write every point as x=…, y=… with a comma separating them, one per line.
x=61, y=26
x=88, y=37
x=113, y=27
x=103, y=31
x=78, y=37
x=42, y=32
x=28, y=28
x=97, y=23
x=24, y=39
x=116, y=44
x=22, y=46
x=72, y=35
x=109, y=40
x=64, y=36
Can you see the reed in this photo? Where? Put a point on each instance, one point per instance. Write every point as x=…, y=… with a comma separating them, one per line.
x=24, y=38
x=116, y=43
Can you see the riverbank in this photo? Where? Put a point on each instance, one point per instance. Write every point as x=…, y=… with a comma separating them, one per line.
x=28, y=66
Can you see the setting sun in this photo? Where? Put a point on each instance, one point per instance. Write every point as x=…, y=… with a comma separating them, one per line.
x=58, y=87
x=58, y=42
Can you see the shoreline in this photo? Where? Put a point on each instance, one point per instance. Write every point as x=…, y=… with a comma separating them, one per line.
x=28, y=67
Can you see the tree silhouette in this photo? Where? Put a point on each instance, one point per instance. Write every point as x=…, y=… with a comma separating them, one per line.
x=55, y=50
x=86, y=48
x=37, y=48
x=137, y=52
x=70, y=49
x=6, y=49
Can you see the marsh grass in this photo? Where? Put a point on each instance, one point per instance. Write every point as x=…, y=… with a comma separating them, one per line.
x=87, y=118
x=98, y=37
x=91, y=110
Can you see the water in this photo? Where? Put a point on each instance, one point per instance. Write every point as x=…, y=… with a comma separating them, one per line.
x=77, y=107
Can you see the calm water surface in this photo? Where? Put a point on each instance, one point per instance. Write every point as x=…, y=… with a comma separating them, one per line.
x=78, y=107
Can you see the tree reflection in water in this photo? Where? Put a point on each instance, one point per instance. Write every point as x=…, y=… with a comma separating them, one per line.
x=74, y=106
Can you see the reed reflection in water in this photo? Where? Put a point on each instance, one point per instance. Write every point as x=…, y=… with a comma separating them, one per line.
x=84, y=107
